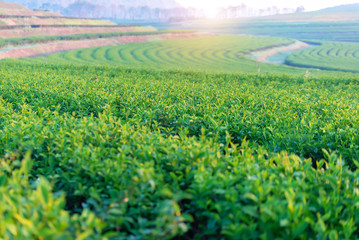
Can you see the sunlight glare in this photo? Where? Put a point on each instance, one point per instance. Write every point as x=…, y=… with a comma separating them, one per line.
x=210, y=11
x=210, y=8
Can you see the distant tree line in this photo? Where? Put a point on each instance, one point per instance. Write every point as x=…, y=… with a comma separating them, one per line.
x=115, y=11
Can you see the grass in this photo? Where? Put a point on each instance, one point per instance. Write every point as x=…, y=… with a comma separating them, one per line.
x=226, y=53
x=108, y=152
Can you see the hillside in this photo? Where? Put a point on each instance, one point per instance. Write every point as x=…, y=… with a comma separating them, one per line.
x=124, y=9
x=347, y=12
x=342, y=8
x=12, y=14
x=13, y=9
x=26, y=33
x=339, y=23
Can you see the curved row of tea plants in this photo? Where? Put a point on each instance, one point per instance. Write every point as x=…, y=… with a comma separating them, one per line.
x=43, y=39
x=337, y=56
x=146, y=154
x=214, y=54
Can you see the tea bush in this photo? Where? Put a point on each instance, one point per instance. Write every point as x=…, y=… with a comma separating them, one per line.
x=140, y=154
x=29, y=210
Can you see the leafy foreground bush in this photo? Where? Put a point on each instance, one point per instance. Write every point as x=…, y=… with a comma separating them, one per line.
x=29, y=210
x=144, y=155
x=192, y=191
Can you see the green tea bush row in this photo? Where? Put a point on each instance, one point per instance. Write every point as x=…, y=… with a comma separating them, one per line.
x=140, y=154
x=144, y=185
x=43, y=39
x=279, y=112
x=335, y=56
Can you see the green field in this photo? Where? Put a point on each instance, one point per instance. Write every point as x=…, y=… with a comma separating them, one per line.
x=106, y=152
x=337, y=56
x=212, y=54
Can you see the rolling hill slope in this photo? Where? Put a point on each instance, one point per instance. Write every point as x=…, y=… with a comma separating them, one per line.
x=12, y=14
x=27, y=33
x=13, y=9
x=347, y=12
x=339, y=23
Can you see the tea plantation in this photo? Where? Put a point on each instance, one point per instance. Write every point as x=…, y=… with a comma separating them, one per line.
x=117, y=153
x=222, y=53
x=337, y=56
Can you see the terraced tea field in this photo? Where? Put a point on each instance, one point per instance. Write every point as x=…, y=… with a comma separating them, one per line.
x=336, y=56
x=214, y=54
x=25, y=32
x=12, y=14
x=44, y=45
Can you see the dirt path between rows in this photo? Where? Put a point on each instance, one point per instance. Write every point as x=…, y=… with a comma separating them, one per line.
x=59, y=46
x=262, y=55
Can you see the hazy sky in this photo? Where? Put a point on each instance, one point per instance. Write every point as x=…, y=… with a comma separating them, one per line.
x=308, y=4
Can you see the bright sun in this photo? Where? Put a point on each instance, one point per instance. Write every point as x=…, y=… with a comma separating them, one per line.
x=209, y=7
x=210, y=11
